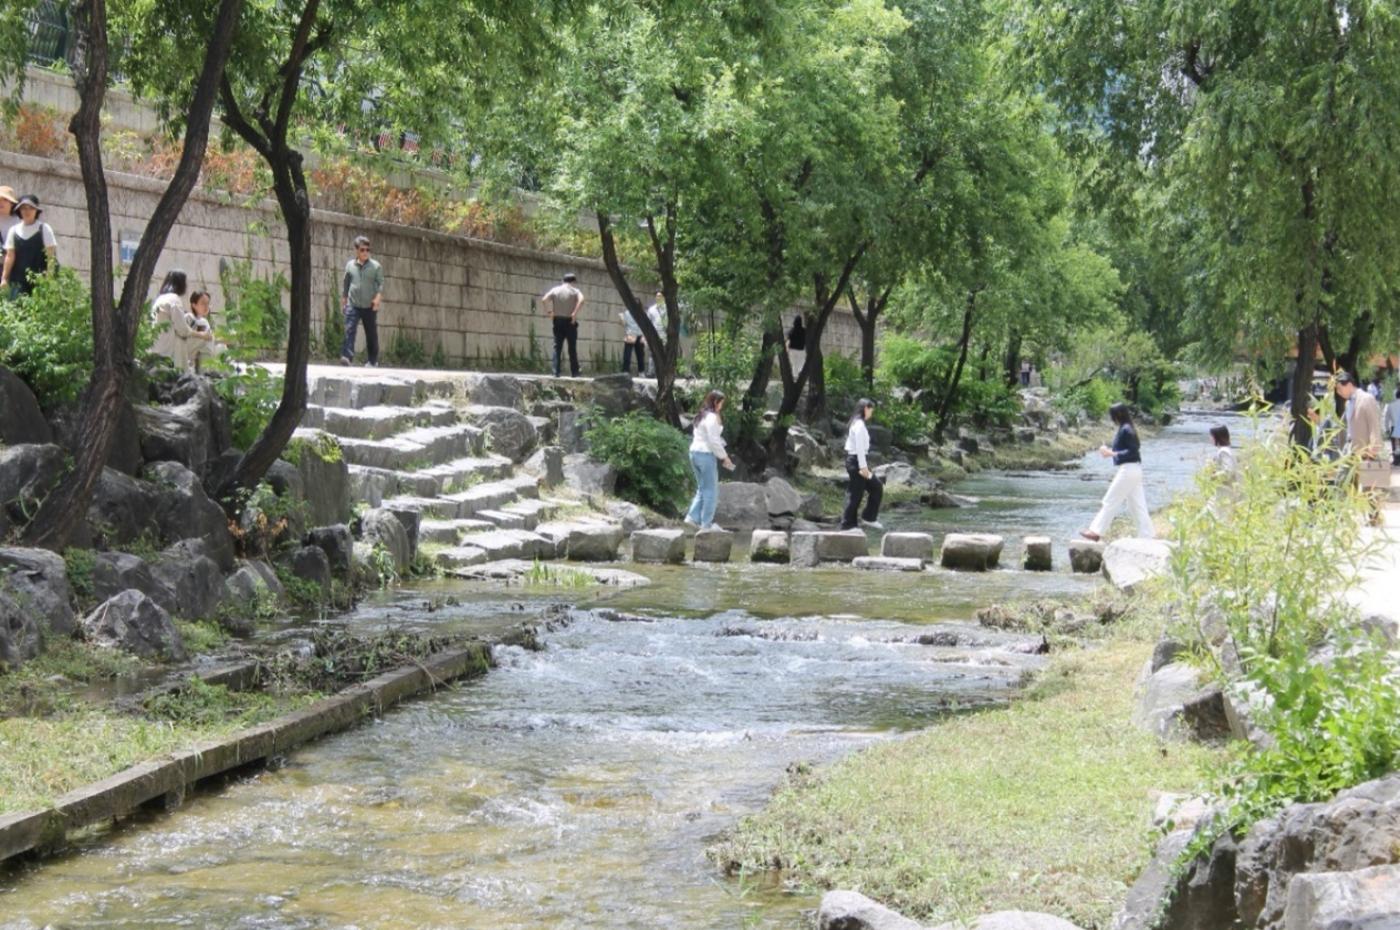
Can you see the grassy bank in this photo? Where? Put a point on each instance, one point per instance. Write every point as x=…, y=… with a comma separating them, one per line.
x=1042, y=805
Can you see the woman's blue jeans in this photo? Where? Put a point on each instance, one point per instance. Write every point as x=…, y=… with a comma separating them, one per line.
x=706, y=469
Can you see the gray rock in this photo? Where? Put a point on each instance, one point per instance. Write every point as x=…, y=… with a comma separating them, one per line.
x=1085, y=557
x=133, y=622
x=1021, y=920
x=768, y=546
x=309, y=563
x=169, y=435
x=572, y=433
x=977, y=552
x=196, y=579
x=27, y=474
x=1203, y=714
x=37, y=580
x=1162, y=694
x=592, y=543
x=1366, y=899
x=613, y=393
x=783, y=499
x=1166, y=652
x=742, y=505
x=658, y=546
x=122, y=510
x=587, y=476
x=381, y=527
x=811, y=548
x=21, y=637
x=184, y=511
x=804, y=448
x=115, y=572
x=497, y=391
x=630, y=516
x=907, y=546
x=251, y=582
x=881, y=438
x=327, y=484
x=1127, y=563
x=1166, y=897
x=1039, y=554
x=968, y=445
x=546, y=464
x=508, y=432
x=847, y=910
x=21, y=420
x=335, y=541
x=412, y=523
x=877, y=563
x=285, y=480
x=904, y=475
x=713, y=545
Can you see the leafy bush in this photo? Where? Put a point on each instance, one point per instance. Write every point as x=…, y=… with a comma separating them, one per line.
x=912, y=363
x=1093, y=397
x=845, y=384
x=651, y=457
x=252, y=396
x=986, y=402
x=255, y=322
x=46, y=337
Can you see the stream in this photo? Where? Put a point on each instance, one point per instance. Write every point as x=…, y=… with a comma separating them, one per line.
x=578, y=786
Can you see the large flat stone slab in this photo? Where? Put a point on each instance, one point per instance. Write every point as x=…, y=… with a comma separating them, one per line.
x=974, y=552
x=812, y=548
x=907, y=546
x=880, y=563
x=713, y=545
x=1127, y=563
x=659, y=546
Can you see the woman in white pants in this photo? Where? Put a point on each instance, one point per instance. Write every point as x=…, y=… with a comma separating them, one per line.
x=1126, y=488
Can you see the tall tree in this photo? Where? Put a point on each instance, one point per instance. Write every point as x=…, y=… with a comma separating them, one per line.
x=115, y=322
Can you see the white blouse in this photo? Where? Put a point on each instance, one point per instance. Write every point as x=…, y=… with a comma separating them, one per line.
x=858, y=441
x=707, y=436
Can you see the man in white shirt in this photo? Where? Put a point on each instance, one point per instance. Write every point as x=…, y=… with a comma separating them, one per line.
x=563, y=303
x=657, y=314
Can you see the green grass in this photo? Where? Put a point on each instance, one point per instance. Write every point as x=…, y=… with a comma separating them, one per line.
x=1043, y=805
x=201, y=636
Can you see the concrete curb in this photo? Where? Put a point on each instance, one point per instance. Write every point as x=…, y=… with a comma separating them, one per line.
x=165, y=780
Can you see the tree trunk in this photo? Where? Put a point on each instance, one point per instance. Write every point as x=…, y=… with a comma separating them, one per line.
x=664, y=353
x=1013, y=361
x=816, y=410
x=950, y=391
x=1301, y=392
x=115, y=327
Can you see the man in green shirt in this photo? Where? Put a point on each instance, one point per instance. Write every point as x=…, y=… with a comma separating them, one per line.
x=360, y=294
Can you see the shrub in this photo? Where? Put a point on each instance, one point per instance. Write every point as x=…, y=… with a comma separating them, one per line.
x=986, y=402
x=46, y=337
x=651, y=457
x=255, y=322
x=405, y=351
x=252, y=396
x=1094, y=397
x=912, y=363
x=844, y=382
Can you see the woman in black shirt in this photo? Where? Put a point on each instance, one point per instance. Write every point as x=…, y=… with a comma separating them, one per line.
x=1126, y=488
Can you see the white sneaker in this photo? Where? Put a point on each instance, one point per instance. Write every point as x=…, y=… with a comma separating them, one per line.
x=872, y=524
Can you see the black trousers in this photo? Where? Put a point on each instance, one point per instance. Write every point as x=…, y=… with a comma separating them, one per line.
x=565, y=330
x=857, y=487
x=369, y=319
x=638, y=348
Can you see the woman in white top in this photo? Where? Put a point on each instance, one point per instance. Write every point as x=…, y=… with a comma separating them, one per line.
x=1392, y=423
x=8, y=202
x=176, y=339
x=707, y=453
x=861, y=481
x=202, y=343
x=30, y=248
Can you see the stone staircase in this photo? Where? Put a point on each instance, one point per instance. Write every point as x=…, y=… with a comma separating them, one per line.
x=410, y=449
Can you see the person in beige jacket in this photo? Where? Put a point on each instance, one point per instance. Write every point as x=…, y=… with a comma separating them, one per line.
x=1366, y=441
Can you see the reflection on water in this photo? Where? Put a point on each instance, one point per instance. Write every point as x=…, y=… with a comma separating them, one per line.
x=576, y=787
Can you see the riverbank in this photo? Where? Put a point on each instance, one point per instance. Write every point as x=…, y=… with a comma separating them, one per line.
x=1042, y=805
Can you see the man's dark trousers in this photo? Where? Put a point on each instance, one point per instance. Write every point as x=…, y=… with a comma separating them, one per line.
x=353, y=317
x=565, y=330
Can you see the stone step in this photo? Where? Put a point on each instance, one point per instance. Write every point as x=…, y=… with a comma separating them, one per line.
x=361, y=390
x=377, y=422
x=449, y=532
x=505, y=520
x=510, y=544
x=415, y=449
x=372, y=484
x=533, y=511
x=493, y=495
x=461, y=557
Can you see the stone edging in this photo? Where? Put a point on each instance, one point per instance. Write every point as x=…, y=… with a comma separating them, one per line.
x=166, y=780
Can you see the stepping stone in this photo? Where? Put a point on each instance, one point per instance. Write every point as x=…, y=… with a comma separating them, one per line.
x=504, y=520
x=769, y=546
x=1038, y=554
x=977, y=552
x=592, y=542
x=713, y=545
x=510, y=544
x=449, y=532
x=461, y=557
x=877, y=563
x=809, y=549
x=1127, y=563
x=663, y=546
x=1085, y=557
x=907, y=546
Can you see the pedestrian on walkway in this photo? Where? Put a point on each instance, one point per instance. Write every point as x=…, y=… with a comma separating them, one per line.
x=361, y=292
x=1126, y=488
x=633, y=343
x=707, y=453
x=563, y=303
x=30, y=248
x=1392, y=424
x=8, y=217
x=861, y=481
x=658, y=315
x=1365, y=441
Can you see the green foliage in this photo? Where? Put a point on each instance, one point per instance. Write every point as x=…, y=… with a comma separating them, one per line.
x=325, y=447
x=543, y=575
x=406, y=351
x=46, y=337
x=913, y=363
x=268, y=522
x=986, y=402
x=80, y=564
x=1263, y=563
x=200, y=704
x=332, y=325
x=201, y=636
x=439, y=356
x=652, y=458
x=1094, y=397
x=252, y=396
x=378, y=570
x=255, y=322
x=845, y=384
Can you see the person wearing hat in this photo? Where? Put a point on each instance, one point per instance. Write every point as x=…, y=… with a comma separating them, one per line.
x=564, y=302
x=8, y=200
x=30, y=248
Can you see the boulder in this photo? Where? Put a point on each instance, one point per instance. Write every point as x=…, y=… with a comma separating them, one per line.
x=508, y=431
x=184, y=511
x=169, y=435
x=21, y=420
x=1021, y=920
x=592, y=543
x=811, y=548
x=336, y=543
x=497, y=391
x=21, y=637
x=309, y=563
x=1366, y=899
x=133, y=622
x=572, y=433
x=285, y=480
x=1085, y=557
x=252, y=581
x=1162, y=694
x=546, y=464
x=122, y=509
x=768, y=546
x=27, y=473
x=1039, y=554
x=977, y=552
x=587, y=476
x=380, y=527
x=904, y=475
x=194, y=396
x=1127, y=563
x=37, y=580
x=907, y=546
x=326, y=478
x=877, y=563
x=848, y=910
x=1166, y=896
x=629, y=515
x=742, y=505
x=115, y=572
x=195, y=578
x=658, y=546
x=412, y=523
x=804, y=448
x=125, y=454
x=881, y=438
x=613, y=393
x=783, y=499
x=713, y=545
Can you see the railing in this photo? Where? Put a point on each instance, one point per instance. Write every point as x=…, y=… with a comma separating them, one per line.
x=50, y=34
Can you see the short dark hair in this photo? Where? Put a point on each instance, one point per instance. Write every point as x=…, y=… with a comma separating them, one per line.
x=362, y=241
x=1120, y=414
x=570, y=278
x=175, y=282
x=1344, y=378
x=197, y=296
x=1221, y=435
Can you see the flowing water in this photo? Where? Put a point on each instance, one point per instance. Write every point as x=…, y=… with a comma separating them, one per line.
x=578, y=786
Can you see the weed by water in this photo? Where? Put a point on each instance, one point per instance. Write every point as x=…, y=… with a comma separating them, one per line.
x=541, y=574
x=201, y=636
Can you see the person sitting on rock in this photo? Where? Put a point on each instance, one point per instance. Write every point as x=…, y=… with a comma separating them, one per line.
x=177, y=339
x=202, y=342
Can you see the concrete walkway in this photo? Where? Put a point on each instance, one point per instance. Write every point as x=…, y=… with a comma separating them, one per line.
x=1379, y=593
